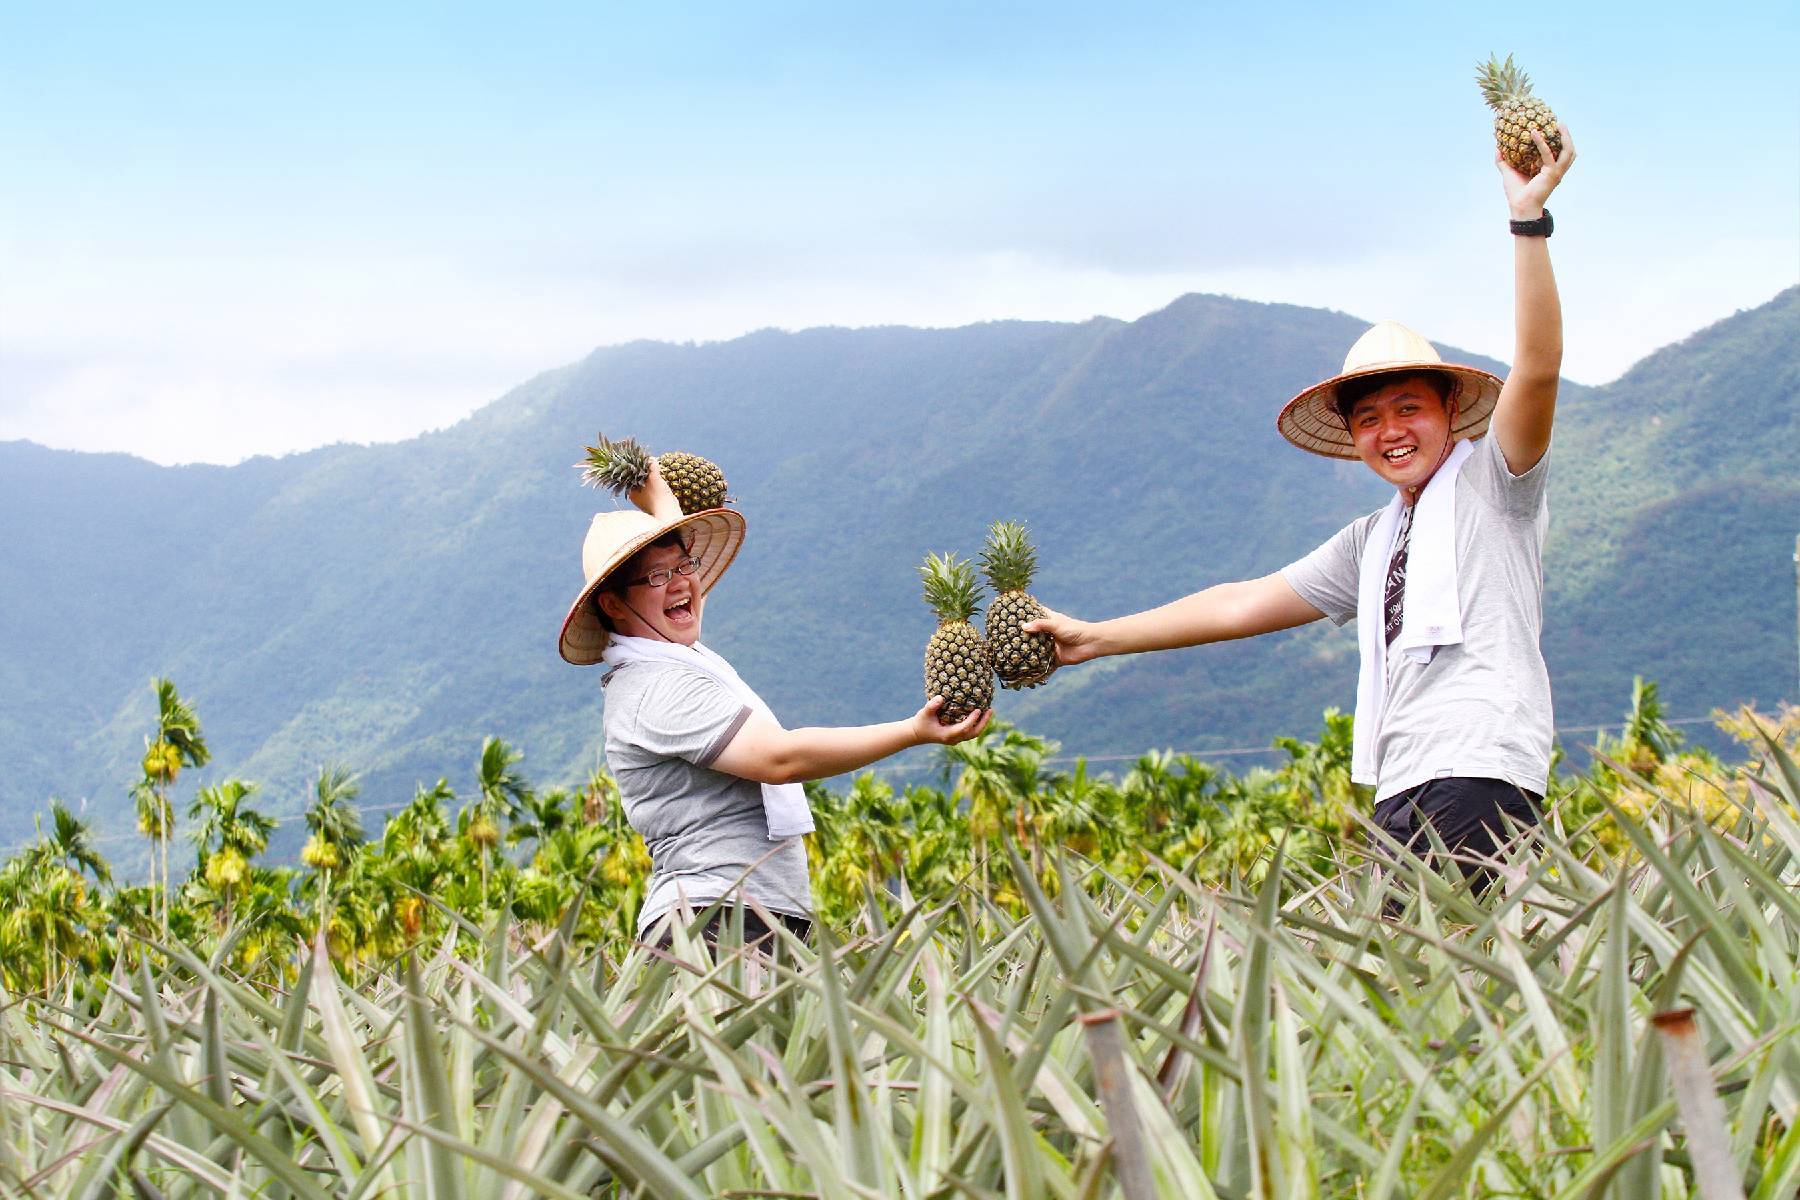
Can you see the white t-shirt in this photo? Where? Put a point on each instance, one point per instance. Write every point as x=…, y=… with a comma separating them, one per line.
x=1481, y=708
x=705, y=829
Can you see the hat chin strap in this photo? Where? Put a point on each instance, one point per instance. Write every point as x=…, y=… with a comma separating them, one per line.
x=645, y=622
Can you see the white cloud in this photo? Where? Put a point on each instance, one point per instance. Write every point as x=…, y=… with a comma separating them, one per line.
x=215, y=360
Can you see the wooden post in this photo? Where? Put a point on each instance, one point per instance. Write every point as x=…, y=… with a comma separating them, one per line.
x=1702, y=1113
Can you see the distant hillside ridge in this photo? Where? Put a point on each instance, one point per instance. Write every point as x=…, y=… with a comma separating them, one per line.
x=387, y=606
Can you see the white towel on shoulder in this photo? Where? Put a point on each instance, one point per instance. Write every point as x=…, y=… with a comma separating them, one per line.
x=784, y=804
x=1431, y=610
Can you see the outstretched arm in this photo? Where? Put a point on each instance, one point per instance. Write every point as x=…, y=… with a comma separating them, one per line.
x=1218, y=614
x=767, y=753
x=1527, y=406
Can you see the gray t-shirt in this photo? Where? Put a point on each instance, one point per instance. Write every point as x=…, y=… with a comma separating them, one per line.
x=665, y=724
x=1481, y=708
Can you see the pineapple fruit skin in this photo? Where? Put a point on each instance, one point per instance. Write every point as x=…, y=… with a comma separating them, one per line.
x=1021, y=660
x=959, y=668
x=698, y=483
x=1512, y=133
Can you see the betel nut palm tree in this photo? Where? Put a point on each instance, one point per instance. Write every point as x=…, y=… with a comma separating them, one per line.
x=503, y=792
x=72, y=843
x=335, y=824
x=231, y=833
x=178, y=743
x=414, y=845
x=47, y=917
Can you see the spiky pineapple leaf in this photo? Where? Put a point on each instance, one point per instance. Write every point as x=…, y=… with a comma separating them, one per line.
x=1008, y=560
x=951, y=588
x=618, y=466
x=1501, y=81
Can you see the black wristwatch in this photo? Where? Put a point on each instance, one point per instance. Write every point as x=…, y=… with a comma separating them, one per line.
x=1541, y=227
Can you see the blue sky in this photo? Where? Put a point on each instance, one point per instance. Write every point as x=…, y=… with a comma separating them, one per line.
x=226, y=231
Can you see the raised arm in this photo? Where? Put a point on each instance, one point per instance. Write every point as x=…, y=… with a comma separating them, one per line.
x=1219, y=614
x=767, y=753
x=1527, y=406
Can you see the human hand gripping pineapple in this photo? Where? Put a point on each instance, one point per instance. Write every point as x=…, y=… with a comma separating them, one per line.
x=1525, y=195
x=1076, y=641
x=655, y=496
x=927, y=728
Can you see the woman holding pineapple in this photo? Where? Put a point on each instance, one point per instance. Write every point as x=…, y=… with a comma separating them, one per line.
x=1453, y=716
x=707, y=775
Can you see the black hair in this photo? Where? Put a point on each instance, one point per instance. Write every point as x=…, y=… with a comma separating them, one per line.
x=1351, y=391
x=629, y=569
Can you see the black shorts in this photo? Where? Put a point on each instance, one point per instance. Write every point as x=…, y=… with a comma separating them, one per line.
x=1466, y=813
x=722, y=922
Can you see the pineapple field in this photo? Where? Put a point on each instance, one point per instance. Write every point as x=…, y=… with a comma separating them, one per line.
x=1028, y=980
x=408, y=909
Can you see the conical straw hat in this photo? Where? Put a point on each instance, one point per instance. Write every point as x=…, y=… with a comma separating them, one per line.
x=1311, y=420
x=713, y=537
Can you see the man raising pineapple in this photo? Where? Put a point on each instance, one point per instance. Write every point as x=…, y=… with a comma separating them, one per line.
x=1453, y=717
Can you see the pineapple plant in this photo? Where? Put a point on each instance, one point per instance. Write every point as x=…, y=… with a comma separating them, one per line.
x=1021, y=660
x=622, y=466
x=958, y=666
x=1517, y=112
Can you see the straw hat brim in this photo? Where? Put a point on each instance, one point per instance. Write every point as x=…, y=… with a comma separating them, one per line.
x=715, y=536
x=1311, y=421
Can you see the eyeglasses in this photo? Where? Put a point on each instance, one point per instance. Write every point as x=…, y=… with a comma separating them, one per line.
x=661, y=576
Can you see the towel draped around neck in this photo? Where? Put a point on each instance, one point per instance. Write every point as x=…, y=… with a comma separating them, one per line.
x=1431, y=609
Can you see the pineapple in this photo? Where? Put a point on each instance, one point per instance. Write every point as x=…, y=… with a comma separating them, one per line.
x=958, y=666
x=1021, y=659
x=1517, y=112
x=624, y=465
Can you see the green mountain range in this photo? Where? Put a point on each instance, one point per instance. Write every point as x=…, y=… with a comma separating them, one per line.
x=388, y=606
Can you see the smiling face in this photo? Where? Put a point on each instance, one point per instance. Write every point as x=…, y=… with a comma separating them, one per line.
x=668, y=613
x=1402, y=431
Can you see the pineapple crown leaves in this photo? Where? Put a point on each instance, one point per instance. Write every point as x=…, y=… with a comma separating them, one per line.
x=1008, y=560
x=951, y=588
x=618, y=466
x=1501, y=81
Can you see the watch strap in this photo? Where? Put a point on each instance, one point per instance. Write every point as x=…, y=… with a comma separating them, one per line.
x=1538, y=227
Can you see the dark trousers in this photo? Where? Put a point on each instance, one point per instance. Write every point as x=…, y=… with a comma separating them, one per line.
x=722, y=922
x=1465, y=813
